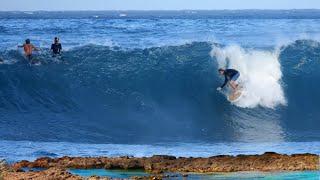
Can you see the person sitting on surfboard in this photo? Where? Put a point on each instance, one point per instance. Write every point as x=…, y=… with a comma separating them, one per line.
x=230, y=75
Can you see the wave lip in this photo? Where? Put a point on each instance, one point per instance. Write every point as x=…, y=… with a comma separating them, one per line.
x=260, y=75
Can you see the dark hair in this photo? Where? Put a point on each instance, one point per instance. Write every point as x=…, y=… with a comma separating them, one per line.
x=220, y=69
x=27, y=41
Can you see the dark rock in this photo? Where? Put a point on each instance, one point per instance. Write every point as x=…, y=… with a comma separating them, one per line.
x=165, y=157
x=269, y=161
x=52, y=173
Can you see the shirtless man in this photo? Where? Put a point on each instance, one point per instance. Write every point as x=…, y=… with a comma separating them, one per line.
x=28, y=49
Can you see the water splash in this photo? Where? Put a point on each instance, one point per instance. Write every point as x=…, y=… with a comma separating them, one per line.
x=260, y=74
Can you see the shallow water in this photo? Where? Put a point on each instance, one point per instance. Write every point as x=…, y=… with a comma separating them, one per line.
x=307, y=175
x=107, y=173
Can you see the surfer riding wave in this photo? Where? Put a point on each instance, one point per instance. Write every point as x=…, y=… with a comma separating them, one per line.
x=231, y=76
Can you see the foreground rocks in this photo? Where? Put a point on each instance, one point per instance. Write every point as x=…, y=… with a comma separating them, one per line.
x=63, y=174
x=56, y=168
x=50, y=174
x=158, y=164
x=4, y=167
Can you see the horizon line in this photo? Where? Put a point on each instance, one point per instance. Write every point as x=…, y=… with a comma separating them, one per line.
x=161, y=10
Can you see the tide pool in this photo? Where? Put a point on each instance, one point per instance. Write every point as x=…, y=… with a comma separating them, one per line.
x=305, y=175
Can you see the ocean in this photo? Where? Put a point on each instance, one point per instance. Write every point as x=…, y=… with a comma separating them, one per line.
x=144, y=82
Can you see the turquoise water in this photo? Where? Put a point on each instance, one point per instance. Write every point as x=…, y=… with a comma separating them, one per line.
x=108, y=173
x=305, y=175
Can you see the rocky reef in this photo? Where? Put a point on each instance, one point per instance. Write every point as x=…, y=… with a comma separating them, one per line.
x=56, y=167
x=52, y=173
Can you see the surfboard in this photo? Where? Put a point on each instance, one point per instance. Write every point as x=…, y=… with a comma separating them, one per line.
x=236, y=95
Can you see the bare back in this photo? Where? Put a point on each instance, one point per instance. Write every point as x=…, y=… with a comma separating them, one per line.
x=28, y=48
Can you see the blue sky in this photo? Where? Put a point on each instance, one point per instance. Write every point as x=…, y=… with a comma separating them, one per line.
x=27, y=5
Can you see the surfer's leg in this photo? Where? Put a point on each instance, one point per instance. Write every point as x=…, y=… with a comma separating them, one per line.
x=233, y=85
x=233, y=82
x=29, y=57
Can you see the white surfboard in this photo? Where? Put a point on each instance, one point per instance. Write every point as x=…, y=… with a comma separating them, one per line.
x=236, y=95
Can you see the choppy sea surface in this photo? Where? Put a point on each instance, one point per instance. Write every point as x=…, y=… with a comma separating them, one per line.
x=143, y=83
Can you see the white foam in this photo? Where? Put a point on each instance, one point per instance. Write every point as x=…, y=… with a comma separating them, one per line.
x=260, y=75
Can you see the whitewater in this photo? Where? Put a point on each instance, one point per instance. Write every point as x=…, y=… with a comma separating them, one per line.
x=260, y=75
x=146, y=83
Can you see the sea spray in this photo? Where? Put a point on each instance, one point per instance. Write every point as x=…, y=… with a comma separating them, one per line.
x=260, y=74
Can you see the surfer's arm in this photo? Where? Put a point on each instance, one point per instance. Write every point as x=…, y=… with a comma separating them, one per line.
x=60, y=48
x=225, y=83
x=35, y=48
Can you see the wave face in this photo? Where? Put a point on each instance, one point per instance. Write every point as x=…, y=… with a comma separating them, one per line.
x=107, y=94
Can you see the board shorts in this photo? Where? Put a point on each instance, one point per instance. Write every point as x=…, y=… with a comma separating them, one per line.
x=29, y=57
x=235, y=77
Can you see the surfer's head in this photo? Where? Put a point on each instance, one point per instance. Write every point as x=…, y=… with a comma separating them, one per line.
x=221, y=71
x=27, y=41
x=56, y=40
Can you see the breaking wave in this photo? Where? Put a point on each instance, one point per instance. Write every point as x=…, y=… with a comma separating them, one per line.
x=108, y=94
x=260, y=75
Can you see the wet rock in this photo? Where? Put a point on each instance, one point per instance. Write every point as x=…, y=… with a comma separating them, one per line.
x=50, y=174
x=3, y=165
x=269, y=161
x=98, y=178
x=153, y=177
x=163, y=157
